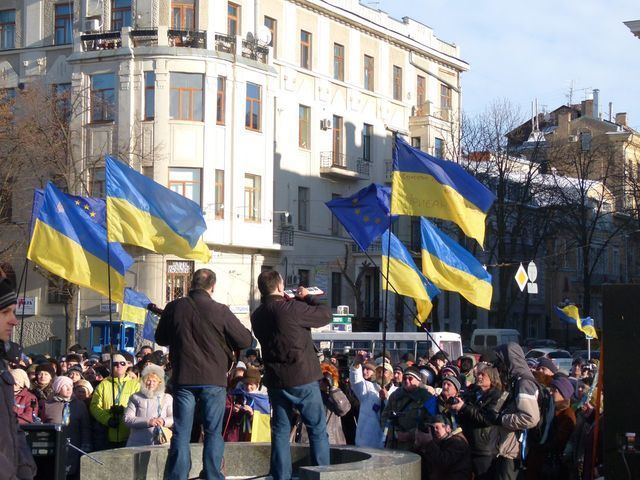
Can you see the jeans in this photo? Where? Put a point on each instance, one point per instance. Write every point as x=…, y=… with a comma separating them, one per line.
x=308, y=400
x=211, y=400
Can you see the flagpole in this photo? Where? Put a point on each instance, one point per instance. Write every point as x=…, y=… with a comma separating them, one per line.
x=25, y=274
x=111, y=353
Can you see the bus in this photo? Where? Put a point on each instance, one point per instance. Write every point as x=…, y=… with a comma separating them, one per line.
x=398, y=343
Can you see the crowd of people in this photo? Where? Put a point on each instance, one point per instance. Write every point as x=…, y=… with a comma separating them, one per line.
x=465, y=418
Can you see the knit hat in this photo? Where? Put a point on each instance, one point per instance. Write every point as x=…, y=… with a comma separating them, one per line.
x=252, y=376
x=453, y=381
x=154, y=369
x=85, y=384
x=450, y=370
x=241, y=365
x=118, y=358
x=548, y=363
x=387, y=366
x=413, y=372
x=59, y=382
x=20, y=377
x=439, y=418
x=439, y=355
x=75, y=368
x=7, y=294
x=563, y=385
x=46, y=367
x=400, y=367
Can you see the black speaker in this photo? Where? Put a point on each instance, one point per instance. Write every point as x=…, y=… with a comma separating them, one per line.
x=620, y=344
x=48, y=447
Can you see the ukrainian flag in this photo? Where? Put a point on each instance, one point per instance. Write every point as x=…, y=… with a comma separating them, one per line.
x=144, y=213
x=570, y=314
x=134, y=307
x=405, y=278
x=425, y=185
x=68, y=242
x=452, y=268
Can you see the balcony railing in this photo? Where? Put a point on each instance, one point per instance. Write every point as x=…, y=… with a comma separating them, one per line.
x=225, y=43
x=255, y=51
x=187, y=38
x=338, y=165
x=145, y=37
x=100, y=41
x=284, y=236
x=374, y=249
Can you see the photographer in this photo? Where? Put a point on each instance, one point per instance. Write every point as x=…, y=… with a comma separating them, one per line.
x=109, y=400
x=367, y=391
x=448, y=398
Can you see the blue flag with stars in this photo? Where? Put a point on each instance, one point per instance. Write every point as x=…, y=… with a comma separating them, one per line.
x=365, y=215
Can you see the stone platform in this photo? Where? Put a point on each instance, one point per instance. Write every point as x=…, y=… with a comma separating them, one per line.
x=251, y=460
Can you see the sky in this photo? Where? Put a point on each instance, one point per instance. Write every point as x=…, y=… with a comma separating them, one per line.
x=521, y=51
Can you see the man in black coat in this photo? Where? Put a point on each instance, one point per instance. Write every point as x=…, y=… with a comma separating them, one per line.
x=201, y=334
x=291, y=368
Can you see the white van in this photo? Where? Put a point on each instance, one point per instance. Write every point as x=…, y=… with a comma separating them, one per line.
x=485, y=340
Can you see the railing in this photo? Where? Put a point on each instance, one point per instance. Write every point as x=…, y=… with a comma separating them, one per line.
x=363, y=166
x=187, y=38
x=144, y=37
x=284, y=236
x=346, y=166
x=100, y=41
x=255, y=51
x=373, y=249
x=225, y=43
x=333, y=160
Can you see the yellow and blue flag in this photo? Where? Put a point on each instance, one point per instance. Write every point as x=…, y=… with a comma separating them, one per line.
x=68, y=241
x=144, y=213
x=405, y=278
x=260, y=421
x=365, y=215
x=450, y=267
x=429, y=186
x=570, y=314
x=134, y=307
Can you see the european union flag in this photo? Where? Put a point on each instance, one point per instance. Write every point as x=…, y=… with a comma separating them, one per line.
x=68, y=241
x=365, y=215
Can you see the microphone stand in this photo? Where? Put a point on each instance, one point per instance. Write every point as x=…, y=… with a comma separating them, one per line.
x=69, y=444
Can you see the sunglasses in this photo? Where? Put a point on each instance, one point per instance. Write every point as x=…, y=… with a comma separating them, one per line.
x=119, y=364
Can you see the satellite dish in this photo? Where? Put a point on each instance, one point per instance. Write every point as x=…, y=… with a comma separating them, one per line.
x=263, y=35
x=251, y=38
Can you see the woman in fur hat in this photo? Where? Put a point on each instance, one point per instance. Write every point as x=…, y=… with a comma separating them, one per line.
x=149, y=408
x=42, y=388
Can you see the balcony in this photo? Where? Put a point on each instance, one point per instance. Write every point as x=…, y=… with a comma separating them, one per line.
x=225, y=43
x=92, y=42
x=374, y=249
x=146, y=37
x=338, y=166
x=427, y=109
x=255, y=51
x=187, y=38
x=284, y=235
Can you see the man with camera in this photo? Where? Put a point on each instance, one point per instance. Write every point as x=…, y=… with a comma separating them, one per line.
x=291, y=368
x=109, y=400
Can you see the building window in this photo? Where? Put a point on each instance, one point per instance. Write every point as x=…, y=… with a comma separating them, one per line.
x=120, y=14
x=336, y=289
x=335, y=223
x=179, y=273
x=103, y=97
x=187, y=96
x=368, y=73
x=233, y=19
x=97, y=182
x=367, y=133
x=186, y=182
x=338, y=61
x=303, y=278
x=221, y=96
x=219, y=195
x=254, y=107
x=304, y=127
x=149, y=95
x=183, y=15
x=305, y=50
x=438, y=148
x=6, y=200
x=252, y=197
x=421, y=92
x=337, y=140
x=397, y=83
x=303, y=209
x=272, y=25
x=445, y=97
x=416, y=142
x=63, y=23
x=7, y=29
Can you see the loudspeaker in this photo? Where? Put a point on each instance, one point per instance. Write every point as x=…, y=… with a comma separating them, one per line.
x=620, y=343
x=48, y=447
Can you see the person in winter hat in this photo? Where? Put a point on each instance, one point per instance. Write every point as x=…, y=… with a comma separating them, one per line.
x=26, y=404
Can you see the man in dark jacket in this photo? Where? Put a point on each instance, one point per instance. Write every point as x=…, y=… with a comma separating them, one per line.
x=16, y=461
x=291, y=369
x=200, y=333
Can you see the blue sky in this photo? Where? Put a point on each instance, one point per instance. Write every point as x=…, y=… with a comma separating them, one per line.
x=526, y=50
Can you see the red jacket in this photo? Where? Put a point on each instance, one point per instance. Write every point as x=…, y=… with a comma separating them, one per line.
x=22, y=406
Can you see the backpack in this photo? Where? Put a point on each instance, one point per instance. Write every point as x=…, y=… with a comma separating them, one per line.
x=539, y=434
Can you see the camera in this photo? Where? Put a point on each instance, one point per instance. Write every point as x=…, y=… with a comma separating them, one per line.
x=117, y=410
x=239, y=400
x=452, y=401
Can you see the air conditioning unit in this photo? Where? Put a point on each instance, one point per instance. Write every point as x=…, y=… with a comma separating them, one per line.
x=325, y=124
x=92, y=25
x=343, y=309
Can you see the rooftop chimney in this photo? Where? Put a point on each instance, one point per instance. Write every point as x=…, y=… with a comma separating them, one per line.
x=596, y=112
x=564, y=119
x=621, y=118
x=587, y=108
